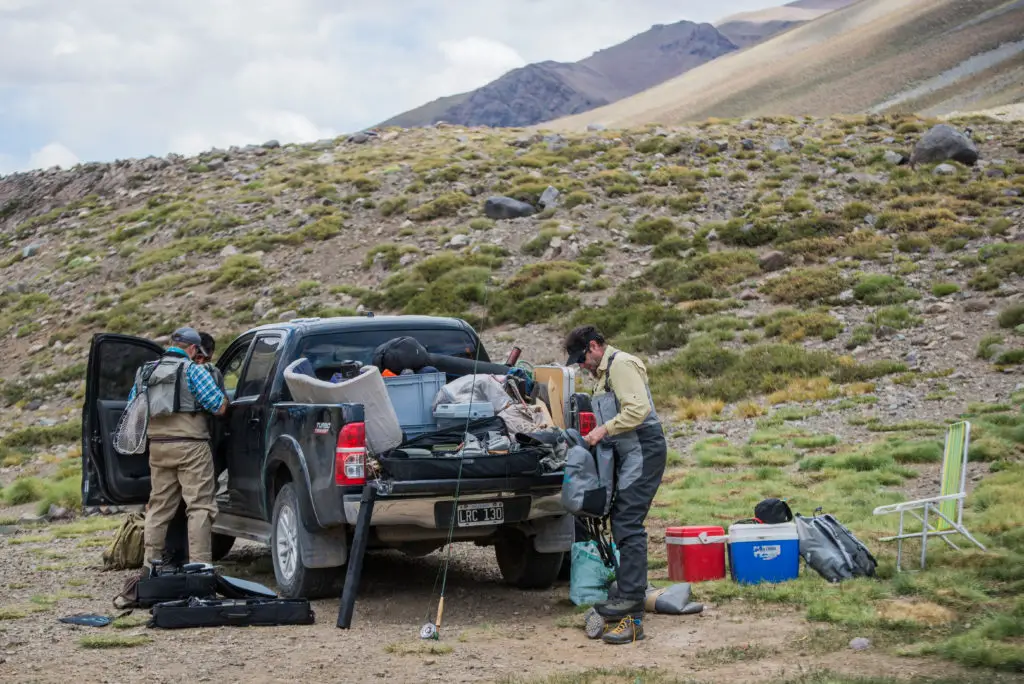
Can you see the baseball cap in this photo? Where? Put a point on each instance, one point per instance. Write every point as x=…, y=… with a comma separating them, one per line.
x=577, y=356
x=187, y=336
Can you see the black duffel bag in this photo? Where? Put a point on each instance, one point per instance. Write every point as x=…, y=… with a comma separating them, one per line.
x=400, y=466
x=399, y=354
x=231, y=613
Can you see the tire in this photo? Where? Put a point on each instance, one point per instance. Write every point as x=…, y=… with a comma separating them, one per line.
x=565, y=571
x=522, y=565
x=221, y=545
x=294, y=580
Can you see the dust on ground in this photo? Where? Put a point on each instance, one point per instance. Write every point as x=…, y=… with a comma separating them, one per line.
x=490, y=632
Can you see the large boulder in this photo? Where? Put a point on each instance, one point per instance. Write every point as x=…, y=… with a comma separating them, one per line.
x=944, y=143
x=773, y=261
x=499, y=208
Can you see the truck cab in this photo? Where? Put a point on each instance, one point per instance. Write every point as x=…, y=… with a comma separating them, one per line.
x=290, y=474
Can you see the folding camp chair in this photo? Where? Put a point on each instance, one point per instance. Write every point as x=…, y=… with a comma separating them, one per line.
x=948, y=505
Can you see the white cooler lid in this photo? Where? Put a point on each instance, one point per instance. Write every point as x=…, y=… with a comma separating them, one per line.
x=744, y=532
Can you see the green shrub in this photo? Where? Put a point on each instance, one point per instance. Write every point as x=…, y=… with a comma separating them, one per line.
x=446, y=205
x=944, y=289
x=651, y=231
x=986, y=345
x=898, y=317
x=866, y=371
x=692, y=291
x=393, y=205
x=856, y=211
x=876, y=290
x=678, y=176
x=576, y=198
x=539, y=244
x=704, y=368
x=240, y=270
x=1011, y=316
x=794, y=326
x=805, y=285
x=537, y=293
x=747, y=234
x=914, y=220
x=671, y=247
x=635, y=320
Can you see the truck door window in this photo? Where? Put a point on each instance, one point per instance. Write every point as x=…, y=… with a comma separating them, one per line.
x=233, y=368
x=259, y=368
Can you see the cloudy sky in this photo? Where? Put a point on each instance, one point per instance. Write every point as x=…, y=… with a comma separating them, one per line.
x=96, y=80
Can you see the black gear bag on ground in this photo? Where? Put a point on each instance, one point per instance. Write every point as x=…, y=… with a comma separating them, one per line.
x=176, y=583
x=196, y=612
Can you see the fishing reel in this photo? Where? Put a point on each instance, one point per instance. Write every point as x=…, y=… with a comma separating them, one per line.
x=429, y=631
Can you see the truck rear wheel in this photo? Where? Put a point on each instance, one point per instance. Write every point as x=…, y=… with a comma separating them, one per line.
x=522, y=565
x=295, y=580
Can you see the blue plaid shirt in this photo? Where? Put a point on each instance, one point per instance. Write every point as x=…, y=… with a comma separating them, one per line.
x=200, y=384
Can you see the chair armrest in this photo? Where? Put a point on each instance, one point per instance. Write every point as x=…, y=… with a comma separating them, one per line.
x=919, y=503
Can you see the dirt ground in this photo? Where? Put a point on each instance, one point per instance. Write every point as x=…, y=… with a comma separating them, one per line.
x=490, y=633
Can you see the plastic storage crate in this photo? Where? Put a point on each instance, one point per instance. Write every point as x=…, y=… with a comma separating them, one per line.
x=412, y=396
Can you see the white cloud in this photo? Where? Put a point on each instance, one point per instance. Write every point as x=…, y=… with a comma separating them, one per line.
x=53, y=154
x=123, y=78
x=473, y=62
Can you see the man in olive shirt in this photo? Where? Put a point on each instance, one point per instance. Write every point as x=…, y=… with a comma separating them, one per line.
x=628, y=424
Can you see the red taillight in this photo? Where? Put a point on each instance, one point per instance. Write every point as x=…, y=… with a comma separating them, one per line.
x=588, y=421
x=350, y=456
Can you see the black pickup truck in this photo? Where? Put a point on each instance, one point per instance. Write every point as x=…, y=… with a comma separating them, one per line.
x=287, y=484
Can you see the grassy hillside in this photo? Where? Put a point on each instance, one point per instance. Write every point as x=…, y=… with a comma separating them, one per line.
x=875, y=55
x=813, y=315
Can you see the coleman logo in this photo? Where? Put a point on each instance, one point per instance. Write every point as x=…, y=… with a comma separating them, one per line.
x=322, y=428
x=767, y=552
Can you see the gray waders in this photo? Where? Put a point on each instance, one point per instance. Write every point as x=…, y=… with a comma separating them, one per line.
x=639, y=465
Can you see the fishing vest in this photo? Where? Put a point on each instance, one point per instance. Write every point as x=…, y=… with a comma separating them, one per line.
x=174, y=411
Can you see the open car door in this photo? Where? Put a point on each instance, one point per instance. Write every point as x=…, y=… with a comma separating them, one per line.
x=107, y=476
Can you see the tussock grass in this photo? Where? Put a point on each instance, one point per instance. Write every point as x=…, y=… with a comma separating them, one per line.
x=749, y=409
x=698, y=409
x=804, y=389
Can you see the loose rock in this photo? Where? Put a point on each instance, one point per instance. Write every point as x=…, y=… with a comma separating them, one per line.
x=500, y=207
x=943, y=143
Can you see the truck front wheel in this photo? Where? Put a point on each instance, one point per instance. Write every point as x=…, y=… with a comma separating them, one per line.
x=295, y=580
x=522, y=565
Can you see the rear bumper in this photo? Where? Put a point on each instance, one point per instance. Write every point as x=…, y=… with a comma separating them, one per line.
x=413, y=503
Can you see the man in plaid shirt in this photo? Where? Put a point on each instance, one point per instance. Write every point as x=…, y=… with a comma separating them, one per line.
x=180, y=459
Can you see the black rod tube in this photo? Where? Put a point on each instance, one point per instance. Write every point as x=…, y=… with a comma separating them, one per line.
x=355, y=559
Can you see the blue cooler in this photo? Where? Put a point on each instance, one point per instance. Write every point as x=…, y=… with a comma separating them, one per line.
x=764, y=553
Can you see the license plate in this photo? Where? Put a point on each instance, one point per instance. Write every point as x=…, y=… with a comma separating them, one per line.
x=488, y=513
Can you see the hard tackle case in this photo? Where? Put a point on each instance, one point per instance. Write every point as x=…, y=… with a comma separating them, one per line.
x=197, y=612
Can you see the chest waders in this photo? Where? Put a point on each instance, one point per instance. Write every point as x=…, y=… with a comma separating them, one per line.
x=639, y=457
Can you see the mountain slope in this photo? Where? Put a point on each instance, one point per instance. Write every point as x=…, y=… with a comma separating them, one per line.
x=545, y=90
x=901, y=55
x=749, y=28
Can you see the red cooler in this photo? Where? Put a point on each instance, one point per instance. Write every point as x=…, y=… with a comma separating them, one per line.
x=696, y=553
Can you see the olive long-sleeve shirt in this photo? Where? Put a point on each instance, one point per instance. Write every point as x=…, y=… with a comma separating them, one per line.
x=629, y=383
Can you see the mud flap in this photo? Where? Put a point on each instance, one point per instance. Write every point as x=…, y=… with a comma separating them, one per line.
x=553, y=535
x=324, y=548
